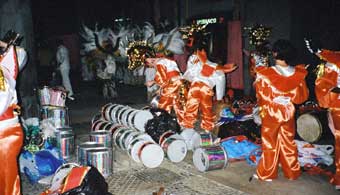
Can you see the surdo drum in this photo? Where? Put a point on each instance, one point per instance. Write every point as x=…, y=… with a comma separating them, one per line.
x=210, y=158
x=102, y=137
x=312, y=127
x=83, y=148
x=101, y=158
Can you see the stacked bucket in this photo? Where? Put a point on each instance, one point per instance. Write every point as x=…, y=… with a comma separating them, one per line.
x=53, y=109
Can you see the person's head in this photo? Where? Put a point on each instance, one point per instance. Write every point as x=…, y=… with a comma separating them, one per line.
x=138, y=52
x=284, y=50
x=59, y=42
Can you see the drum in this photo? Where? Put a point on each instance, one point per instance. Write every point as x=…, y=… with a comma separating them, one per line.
x=104, y=111
x=118, y=134
x=202, y=139
x=125, y=115
x=175, y=149
x=101, y=125
x=135, y=144
x=102, y=137
x=101, y=158
x=96, y=117
x=140, y=118
x=82, y=149
x=188, y=135
x=58, y=115
x=122, y=138
x=44, y=96
x=120, y=114
x=113, y=112
x=313, y=126
x=65, y=142
x=151, y=155
x=57, y=97
x=209, y=158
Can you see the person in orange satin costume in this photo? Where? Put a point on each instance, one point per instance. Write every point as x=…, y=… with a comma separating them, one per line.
x=327, y=91
x=278, y=88
x=11, y=134
x=168, y=78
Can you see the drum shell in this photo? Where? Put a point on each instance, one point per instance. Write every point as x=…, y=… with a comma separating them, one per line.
x=58, y=115
x=101, y=158
x=83, y=148
x=101, y=136
x=65, y=142
x=209, y=158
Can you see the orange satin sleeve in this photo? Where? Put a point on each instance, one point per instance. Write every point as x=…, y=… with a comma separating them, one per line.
x=161, y=76
x=335, y=114
x=323, y=87
x=330, y=56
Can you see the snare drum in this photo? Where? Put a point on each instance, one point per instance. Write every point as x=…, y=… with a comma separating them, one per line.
x=101, y=159
x=202, y=139
x=151, y=155
x=102, y=137
x=104, y=111
x=313, y=126
x=210, y=158
x=140, y=118
x=65, y=142
x=188, y=135
x=44, y=96
x=57, y=97
x=175, y=149
x=83, y=148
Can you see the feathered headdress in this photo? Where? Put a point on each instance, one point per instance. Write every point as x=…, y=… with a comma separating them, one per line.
x=258, y=34
x=194, y=33
x=137, y=52
x=167, y=43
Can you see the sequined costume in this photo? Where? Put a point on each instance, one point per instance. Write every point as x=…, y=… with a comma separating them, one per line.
x=329, y=98
x=278, y=88
x=11, y=134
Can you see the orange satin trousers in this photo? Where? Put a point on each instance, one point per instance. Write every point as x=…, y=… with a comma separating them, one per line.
x=199, y=98
x=11, y=139
x=278, y=147
x=169, y=99
x=335, y=113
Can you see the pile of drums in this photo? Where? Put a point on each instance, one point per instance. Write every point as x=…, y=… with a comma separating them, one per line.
x=53, y=109
x=207, y=156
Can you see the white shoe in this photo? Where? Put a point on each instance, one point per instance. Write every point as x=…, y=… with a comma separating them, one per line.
x=257, y=177
x=71, y=97
x=337, y=187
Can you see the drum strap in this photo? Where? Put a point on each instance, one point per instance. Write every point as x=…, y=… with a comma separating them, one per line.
x=75, y=178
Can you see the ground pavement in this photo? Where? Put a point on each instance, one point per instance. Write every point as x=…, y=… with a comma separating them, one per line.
x=181, y=178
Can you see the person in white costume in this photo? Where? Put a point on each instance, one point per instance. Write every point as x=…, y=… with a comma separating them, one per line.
x=63, y=63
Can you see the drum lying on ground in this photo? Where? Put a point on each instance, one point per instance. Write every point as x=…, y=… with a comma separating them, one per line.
x=175, y=149
x=140, y=118
x=202, y=139
x=210, y=158
x=151, y=155
x=188, y=135
x=104, y=111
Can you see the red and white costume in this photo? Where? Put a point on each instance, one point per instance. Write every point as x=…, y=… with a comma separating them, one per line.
x=204, y=75
x=331, y=100
x=168, y=77
x=11, y=134
x=278, y=89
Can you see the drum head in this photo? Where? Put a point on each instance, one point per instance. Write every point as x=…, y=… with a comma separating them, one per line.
x=133, y=149
x=176, y=151
x=188, y=135
x=152, y=155
x=114, y=112
x=141, y=118
x=309, y=128
x=125, y=115
x=200, y=160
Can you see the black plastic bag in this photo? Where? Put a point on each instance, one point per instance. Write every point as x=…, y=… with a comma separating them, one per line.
x=93, y=184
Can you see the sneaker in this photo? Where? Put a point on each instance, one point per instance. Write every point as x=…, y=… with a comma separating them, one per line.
x=337, y=187
x=257, y=177
x=71, y=97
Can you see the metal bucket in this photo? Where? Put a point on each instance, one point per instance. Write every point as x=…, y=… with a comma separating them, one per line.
x=101, y=159
x=83, y=148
